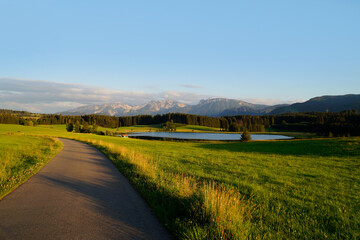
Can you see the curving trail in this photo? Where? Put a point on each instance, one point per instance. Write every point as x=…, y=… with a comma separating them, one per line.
x=78, y=195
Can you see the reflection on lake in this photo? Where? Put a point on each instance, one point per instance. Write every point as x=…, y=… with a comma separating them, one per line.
x=206, y=136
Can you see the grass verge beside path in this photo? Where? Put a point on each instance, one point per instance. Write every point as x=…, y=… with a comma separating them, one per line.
x=158, y=127
x=189, y=207
x=301, y=189
x=21, y=157
x=304, y=189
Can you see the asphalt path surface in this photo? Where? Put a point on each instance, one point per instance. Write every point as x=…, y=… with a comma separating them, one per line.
x=79, y=194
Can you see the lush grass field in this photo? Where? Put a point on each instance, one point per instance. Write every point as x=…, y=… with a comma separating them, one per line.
x=157, y=127
x=135, y=128
x=22, y=156
x=196, y=128
x=301, y=189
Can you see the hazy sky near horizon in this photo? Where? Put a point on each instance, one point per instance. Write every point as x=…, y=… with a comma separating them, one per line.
x=260, y=51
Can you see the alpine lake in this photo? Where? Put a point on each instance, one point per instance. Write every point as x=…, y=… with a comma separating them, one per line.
x=204, y=136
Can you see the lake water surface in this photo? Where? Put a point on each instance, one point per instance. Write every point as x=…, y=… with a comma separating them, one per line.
x=206, y=136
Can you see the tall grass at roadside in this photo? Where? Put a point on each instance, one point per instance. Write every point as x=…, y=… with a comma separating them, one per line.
x=301, y=189
x=308, y=189
x=191, y=208
x=21, y=157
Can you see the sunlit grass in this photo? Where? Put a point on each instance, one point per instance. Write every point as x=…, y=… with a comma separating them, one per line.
x=158, y=127
x=192, y=209
x=293, y=188
x=302, y=189
x=22, y=156
x=196, y=128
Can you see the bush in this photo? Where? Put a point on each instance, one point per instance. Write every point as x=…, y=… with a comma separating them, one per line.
x=77, y=127
x=169, y=126
x=85, y=128
x=109, y=133
x=69, y=127
x=29, y=123
x=94, y=129
x=245, y=136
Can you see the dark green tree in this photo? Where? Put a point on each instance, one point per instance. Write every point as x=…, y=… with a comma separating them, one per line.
x=70, y=127
x=224, y=124
x=29, y=123
x=170, y=126
x=21, y=121
x=77, y=127
x=94, y=128
x=234, y=127
x=85, y=128
x=245, y=136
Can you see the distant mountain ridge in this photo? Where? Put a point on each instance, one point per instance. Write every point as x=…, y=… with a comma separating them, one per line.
x=323, y=104
x=251, y=111
x=208, y=107
x=216, y=106
x=119, y=109
x=221, y=107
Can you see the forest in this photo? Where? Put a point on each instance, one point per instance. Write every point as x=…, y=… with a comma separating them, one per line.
x=346, y=123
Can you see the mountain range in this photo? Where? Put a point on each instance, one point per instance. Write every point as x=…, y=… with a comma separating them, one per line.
x=221, y=107
x=323, y=104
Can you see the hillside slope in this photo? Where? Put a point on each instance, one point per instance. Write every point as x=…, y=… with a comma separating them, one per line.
x=323, y=104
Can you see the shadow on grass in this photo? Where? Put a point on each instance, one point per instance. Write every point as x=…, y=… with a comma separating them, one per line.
x=319, y=147
x=174, y=211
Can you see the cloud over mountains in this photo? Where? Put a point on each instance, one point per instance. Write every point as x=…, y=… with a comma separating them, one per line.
x=50, y=97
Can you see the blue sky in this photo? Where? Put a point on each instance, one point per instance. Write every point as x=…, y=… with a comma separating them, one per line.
x=260, y=51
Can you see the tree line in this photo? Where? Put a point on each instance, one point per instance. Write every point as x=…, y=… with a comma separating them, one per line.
x=346, y=123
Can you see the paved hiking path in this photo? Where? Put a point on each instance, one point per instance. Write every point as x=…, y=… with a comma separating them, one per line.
x=78, y=195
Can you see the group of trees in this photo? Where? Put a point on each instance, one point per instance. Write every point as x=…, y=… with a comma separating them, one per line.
x=345, y=123
x=169, y=126
x=6, y=118
x=234, y=124
x=244, y=122
x=181, y=118
x=78, y=128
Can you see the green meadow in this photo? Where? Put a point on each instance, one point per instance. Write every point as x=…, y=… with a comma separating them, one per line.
x=158, y=127
x=298, y=189
x=21, y=156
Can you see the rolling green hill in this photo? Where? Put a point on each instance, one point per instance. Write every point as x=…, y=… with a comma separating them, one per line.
x=323, y=104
